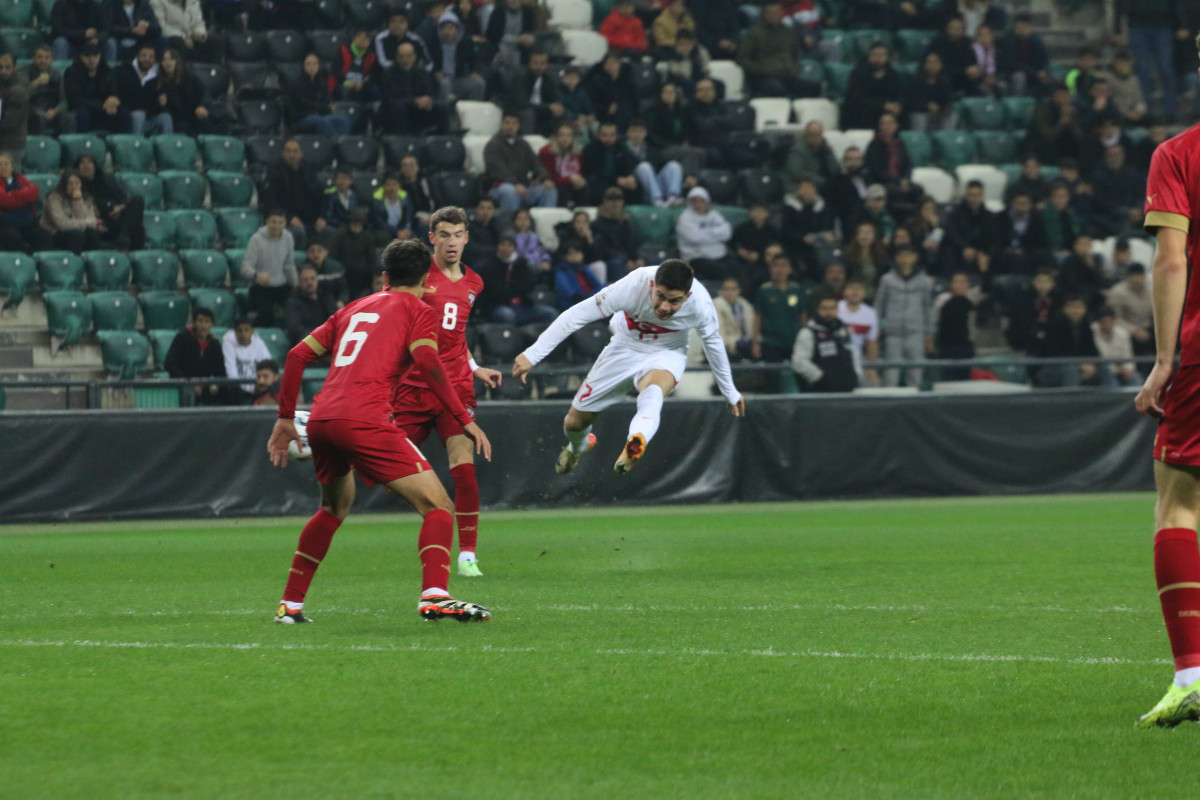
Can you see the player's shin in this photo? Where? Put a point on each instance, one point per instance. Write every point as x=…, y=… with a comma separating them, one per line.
x=1177, y=570
x=578, y=439
x=433, y=545
x=466, y=508
x=314, y=544
x=649, y=413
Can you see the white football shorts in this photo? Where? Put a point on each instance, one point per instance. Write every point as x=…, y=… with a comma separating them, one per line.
x=617, y=371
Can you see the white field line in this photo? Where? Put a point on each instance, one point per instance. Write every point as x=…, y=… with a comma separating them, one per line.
x=682, y=652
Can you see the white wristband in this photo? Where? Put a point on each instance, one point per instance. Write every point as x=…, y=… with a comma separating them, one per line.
x=471, y=363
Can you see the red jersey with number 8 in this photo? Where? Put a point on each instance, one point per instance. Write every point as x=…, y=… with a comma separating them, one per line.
x=371, y=343
x=451, y=302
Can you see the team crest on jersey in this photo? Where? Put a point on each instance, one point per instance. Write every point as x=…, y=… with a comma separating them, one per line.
x=471, y=298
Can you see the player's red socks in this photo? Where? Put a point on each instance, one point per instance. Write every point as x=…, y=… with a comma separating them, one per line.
x=433, y=545
x=314, y=544
x=466, y=506
x=1177, y=569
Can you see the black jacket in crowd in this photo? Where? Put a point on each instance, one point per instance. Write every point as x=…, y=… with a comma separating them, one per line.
x=82, y=89
x=295, y=191
x=70, y=18
x=187, y=359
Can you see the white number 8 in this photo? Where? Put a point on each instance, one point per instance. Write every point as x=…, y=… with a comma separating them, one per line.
x=450, y=316
x=353, y=337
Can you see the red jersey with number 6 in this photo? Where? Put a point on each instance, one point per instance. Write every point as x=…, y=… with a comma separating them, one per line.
x=371, y=343
x=451, y=302
x=1173, y=201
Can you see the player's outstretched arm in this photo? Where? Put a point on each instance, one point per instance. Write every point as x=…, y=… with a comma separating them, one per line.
x=1169, y=289
x=305, y=352
x=718, y=362
x=569, y=321
x=277, y=446
x=430, y=366
x=482, y=445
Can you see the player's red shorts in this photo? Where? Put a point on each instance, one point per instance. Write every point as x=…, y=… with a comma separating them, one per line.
x=1178, y=437
x=380, y=453
x=417, y=412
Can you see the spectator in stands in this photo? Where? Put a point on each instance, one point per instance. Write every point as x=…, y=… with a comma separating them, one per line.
x=875, y=87
x=355, y=71
x=331, y=276
x=270, y=269
x=667, y=118
x=309, y=104
x=859, y=317
x=769, y=53
x=1030, y=181
x=243, y=349
x=660, y=179
x=196, y=353
x=624, y=30
x=306, y=308
x=1061, y=222
x=611, y=89
x=47, y=101
x=574, y=279
x=718, y=23
x=1024, y=62
x=183, y=27
x=808, y=222
x=354, y=246
x=577, y=105
x=702, y=234
x=391, y=210
x=1056, y=132
x=875, y=211
x=906, y=319
x=131, y=23
x=1150, y=28
x=886, y=160
x=1113, y=341
x=75, y=23
x=290, y=185
x=847, y=190
x=414, y=184
x=1069, y=335
x=483, y=231
x=184, y=94
x=91, y=94
x=614, y=235
x=932, y=97
x=397, y=31
x=509, y=280
x=1117, y=187
x=958, y=56
x=952, y=340
x=1125, y=88
x=534, y=96
x=686, y=61
x=707, y=125
x=1029, y=316
x=510, y=32
x=1097, y=109
x=607, y=163
x=971, y=232
x=408, y=97
x=266, y=383
x=1021, y=242
x=455, y=61
x=1130, y=300
x=122, y=212
x=674, y=18
x=866, y=256
x=735, y=317
x=14, y=118
x=70, y=215
x=824, y=356
x=811, y=158
x=579, y=231
x=1082, y=274
x=528, y=244
x=835, y=281
x=888, y=14
x=1080, y=77
x=340, y=200
x=984, y=47
x=517, y=177
x=562, y=158
x=137, y=88
x=780, y=306
x=806, y=18
x=19, y=229
x=749, y=242
x=927, y=233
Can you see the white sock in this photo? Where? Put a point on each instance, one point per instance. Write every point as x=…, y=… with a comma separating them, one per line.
x=1186, y=677
x=578, y=439
x=466, y=555
x=649, y=413
x=293, y=606
x=434, y=591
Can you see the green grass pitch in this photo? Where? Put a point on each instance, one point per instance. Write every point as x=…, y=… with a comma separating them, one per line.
x=910, y=649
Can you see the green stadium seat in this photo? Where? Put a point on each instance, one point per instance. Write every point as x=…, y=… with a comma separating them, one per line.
x=912, y=43
x=1137, y=135
x=17, y=272
x=1007, y=372
x=164, y=310
x=194, y=227
x=145, y=185
x=59, y=270
x=68, y=315
x=734, y=214
x=230, y=188
x=183, y=188
x=175, y=151
x=860, y=42
x=219, y=300
x=125, y=354
x=1012, y=172
x=236, y=225
x=952, y=149
x=16, y=13
x=919, y=146
x=113, y=311
x=75, y=145
x=299, y=257
x=42, y=154
x=1020, y=110
x=20, y=42
x=205, y=269
x=160, y=229
x=811, y=70
x=45, y=181
x=983, y=113
x=107, y=269
x=241, y=296
x=996, y=147
x=837, y=76
x=160, y=343
x=131, y=153
x=154, y=269
x=276, y=341
x=652, y=224
x=234, y=256
x=222, y=152
x=314, y=380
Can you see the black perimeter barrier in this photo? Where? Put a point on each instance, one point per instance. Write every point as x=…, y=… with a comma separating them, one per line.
x=95, y=465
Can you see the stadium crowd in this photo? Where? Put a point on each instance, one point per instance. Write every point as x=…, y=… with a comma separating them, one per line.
x=294, y=139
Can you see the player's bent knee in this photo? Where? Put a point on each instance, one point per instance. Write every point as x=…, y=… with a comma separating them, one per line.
x=577, y=420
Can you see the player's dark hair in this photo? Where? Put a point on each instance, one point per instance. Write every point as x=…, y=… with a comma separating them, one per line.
x=204, y=311
x=406, y=262
x=267, y=363
x=675, y=274
x=451, y=215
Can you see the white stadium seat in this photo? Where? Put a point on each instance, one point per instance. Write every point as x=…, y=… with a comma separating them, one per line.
x=570, y=14
x=771, y=113
x=479, y=117
x=535, y=141
x=838, y=141
x=729, y=73
x=816, y=109
x=994, y=181
x=585, y=47
x=544, y=220
x=936, y=182
x=474, y=143
x=859, y=137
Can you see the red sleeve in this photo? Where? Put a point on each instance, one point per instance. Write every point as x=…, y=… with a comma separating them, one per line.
x=27, y=194
x=430, y=366
x=293, y=373
x=1167, y=202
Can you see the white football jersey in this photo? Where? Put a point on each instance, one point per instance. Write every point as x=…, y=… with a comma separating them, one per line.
x=863, y=323
x=630, y=303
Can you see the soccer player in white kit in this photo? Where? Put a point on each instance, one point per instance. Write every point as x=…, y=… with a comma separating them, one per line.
x=651, y=309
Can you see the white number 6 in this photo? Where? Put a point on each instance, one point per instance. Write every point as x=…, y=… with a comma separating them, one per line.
x=353, y=337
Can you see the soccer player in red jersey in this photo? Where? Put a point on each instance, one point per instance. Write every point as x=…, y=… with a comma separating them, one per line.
x=1173, y=397
x=452, y=291
x=375, y=342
